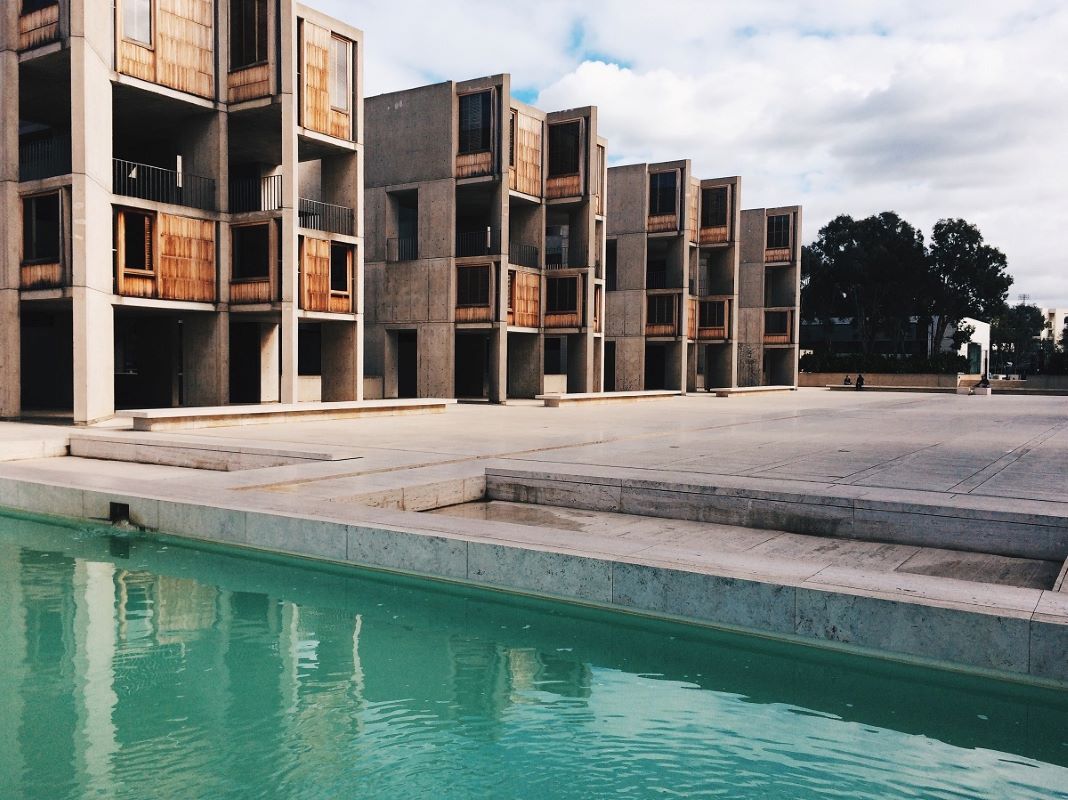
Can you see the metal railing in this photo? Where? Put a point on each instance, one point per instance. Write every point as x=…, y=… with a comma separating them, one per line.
x=404, y=248
x=523, y=255
x=483, y=242
x=44, y=157
x=326, y=217
x=656, y=279
x=146, y=182
x=256, y=194
x=561, y=256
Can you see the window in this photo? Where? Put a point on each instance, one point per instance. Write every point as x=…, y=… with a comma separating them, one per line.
x=340, y=74
x=309, y=349
x=662, y=193
x=511, y=140
x=611, y=269
x=29, y=6
x=340, y=259
x=661, y=309
x=248, y=33
x=778, y=231
x=472, y=286
x=714, y=207
x=713, y=315
x=555, y=356
x=40, y=229
x=476, y=114
x=777, y=323
x=561, y=295
x=565, y=148
x=137, y=240
x=137, y=21
x=251, y=249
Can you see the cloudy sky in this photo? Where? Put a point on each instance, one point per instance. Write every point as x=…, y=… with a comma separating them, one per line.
x=931, y=108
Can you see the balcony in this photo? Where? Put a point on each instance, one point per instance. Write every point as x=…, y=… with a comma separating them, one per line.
x=325, y=217
x=474, y=294
x=145, y=182
x=562, y=256
x=719, y=234
x=713, y=318
x=44, y=157
x=778, y=255
x=39, y=27
x=657, y=279
x=326, y=277
x=404, y=248
x=663, y=223
x=523, y=255
x=662, y=315
x=251, y=195
x=477, y=243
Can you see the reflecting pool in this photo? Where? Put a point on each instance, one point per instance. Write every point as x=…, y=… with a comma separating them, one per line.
x=141, y=667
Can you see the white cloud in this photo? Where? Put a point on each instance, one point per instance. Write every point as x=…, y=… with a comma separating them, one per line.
x=929, y=109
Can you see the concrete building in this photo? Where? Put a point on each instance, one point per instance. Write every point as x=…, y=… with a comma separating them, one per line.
x=486, y=228
x=181, y=185
x=700, y=294
x=1055, y=321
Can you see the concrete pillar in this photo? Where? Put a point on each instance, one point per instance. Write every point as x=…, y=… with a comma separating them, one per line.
x=288, y=383
x=206, y=366
x=10, y=215
x=342, y=379
x=94, y=356
x=270, y=350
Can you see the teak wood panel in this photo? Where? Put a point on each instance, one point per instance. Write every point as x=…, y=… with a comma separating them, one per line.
x=526, y=174
x=716, y=235
x=597, y=309
x=318, y=115
x=182, y=53
x=186, y=259
x=472, y=165
x=563, y=186
x=259, y=290
x=776, y=255
x=665, y=328
x=692, y=221
x=39, y=27
x=474, y=314
x=706, y=334
x=249, y=83
x=525, y=306
x=659, y=223
x=691, y=319
x=40, y=276
x=315, y=275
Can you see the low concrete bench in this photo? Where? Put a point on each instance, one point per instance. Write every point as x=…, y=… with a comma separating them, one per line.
x=557, y=400
x=728, y=392
x=171, y=419
x=839, y=387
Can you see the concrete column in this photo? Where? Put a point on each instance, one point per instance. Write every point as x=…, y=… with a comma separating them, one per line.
x=288, y=391
x=270, y=348
x=342, y=379
x=10, y=215
x=94, y=356
x=205, y=355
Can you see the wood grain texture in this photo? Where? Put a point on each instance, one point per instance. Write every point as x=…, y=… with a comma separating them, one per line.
x=182, y=56
x=692, y=221
x=660, y=223
x=691, y=318
x=525, y=176
x=715, y=235
x=252, y=291
x=563, y=186
x=525, y=299
x=778, y=255
x=40, y=276
x=317, y=113
x=473, y=165
x=39, y=27
x=315, y=275
x=249, y=83
x=186, y=259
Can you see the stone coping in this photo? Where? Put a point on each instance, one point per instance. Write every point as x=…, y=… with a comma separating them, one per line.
x=157, y=419
x=1011, y=632
x=555, y=400
x=868, y=387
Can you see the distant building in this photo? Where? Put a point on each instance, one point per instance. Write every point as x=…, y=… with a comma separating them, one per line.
x=1055, y=318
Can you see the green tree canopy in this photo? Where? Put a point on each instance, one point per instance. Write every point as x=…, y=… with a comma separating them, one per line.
x=1015, y=334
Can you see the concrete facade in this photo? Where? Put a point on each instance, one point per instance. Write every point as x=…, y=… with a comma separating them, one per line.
x=697, y=296
x=190, y=232
x=485, y=218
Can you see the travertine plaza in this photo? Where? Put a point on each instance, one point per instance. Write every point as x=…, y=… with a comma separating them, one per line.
x=511, y=393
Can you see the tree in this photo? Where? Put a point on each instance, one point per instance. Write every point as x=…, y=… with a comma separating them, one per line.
x=1014, y=334
x=873, y=270
x=967, y=277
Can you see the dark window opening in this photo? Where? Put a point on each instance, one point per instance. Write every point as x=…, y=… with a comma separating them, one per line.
x=714, y=207
x=339, y=268
x=475, y=122
x=779, y=231
x=713, y=315
x=251, y=251
x=472, y=286
x=561, y=295
x=309, y=350
x=248, y=33
x=29, y=6
x=555, y=356
x=40, y=229
x=662, y=193
x=777, y=323
x=611, y=266
x=661, y=309
x=565, y=148
x=137, y=240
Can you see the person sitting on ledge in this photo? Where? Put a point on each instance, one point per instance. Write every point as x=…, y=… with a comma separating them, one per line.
x=860, y=381
x=848, y=381
x=985, y=382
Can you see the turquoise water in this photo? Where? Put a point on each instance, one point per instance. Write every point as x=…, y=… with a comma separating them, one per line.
x=144, y=668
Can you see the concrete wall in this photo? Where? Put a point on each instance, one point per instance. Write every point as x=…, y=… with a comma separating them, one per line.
x=880, y=379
